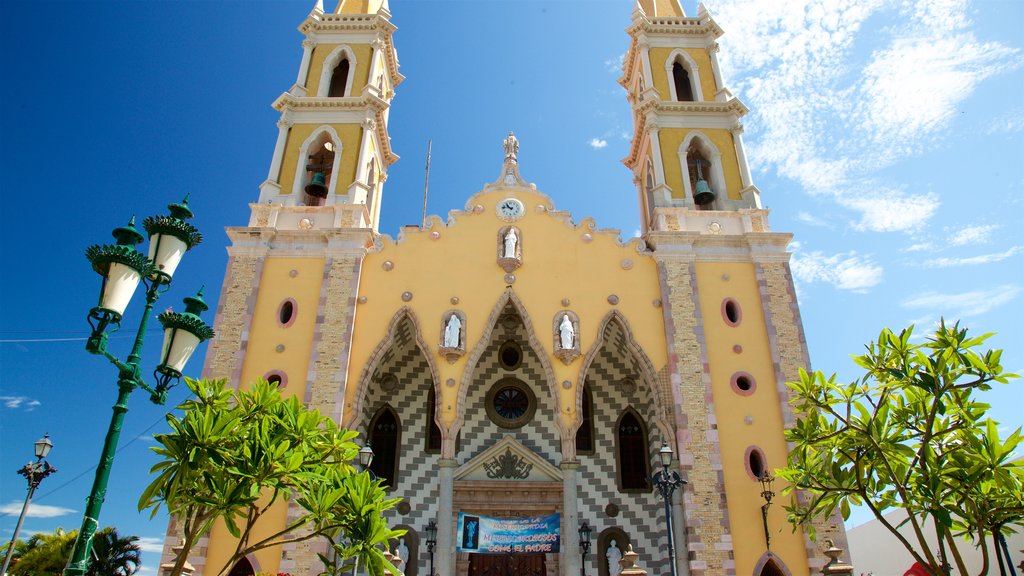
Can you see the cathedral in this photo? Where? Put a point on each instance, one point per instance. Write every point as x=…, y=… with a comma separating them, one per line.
x=515, y=366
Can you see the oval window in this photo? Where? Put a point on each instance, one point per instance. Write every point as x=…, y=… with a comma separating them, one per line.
x=276, y=378
x=510, y=355
x=743, y=383
x=731, y=312
x=286, y=313
x=756, y=462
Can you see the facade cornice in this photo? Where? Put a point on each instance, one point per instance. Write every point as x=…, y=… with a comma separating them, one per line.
x=368, y=101
x=275, y=243
x=667, y=114
x=318, y=23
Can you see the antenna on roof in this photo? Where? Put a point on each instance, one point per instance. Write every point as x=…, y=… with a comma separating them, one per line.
x=426, y=184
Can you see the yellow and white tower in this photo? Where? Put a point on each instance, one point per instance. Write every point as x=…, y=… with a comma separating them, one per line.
x=333, y=150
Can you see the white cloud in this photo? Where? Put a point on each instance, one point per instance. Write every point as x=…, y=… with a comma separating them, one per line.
x=920, y=247
x=614, y=65
x=971, y=260
x=892, y=211
x=598, y=143
x=972, y=235
x=810, y=219
x=151, y=544
x=34, y=510
x=1008, y=123
x=15, y=402
x=831, y=117
x=955, y=306
x=844, y=271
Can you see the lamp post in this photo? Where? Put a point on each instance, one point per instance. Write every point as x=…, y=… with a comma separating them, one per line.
x=766, y=493
x=431, y=543
x=584, y=547
x=34, y=472
x=366, y=457
x=666, y=481
x=123, y=268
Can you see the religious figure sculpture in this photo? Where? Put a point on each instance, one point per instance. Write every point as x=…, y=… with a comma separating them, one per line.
x=511, y=146
x=566, y=333
x=511, y=239
x=452, y=331
x=402, y=551
x=614, y=555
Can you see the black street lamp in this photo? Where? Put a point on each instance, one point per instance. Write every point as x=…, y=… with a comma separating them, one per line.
x=766, y=493
x=666, y=481
x=431, y=543
x=366, y=457
x=34, y=472
x=123, y=268
x=584, y=547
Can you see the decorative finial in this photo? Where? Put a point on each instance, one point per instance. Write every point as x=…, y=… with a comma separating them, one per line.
x=511, y=146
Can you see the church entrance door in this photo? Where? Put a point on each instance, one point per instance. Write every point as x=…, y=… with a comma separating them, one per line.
x=507, y=565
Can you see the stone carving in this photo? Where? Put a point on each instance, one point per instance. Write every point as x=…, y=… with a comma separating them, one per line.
x=452, y=331
x=566, y=327
x=402, y=551
x=453, y=335
x=508, y=465
x=511, y=146
x=614, y=556
x=510, y=249
x=511, y=241
x=566, y=333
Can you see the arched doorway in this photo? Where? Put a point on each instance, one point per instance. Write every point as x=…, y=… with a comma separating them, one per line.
x=242, y=568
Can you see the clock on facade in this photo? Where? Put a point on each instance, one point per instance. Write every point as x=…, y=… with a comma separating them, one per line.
x=510, y=209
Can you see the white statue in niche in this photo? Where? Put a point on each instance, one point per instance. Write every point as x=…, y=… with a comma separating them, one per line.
x=402, y=551
x=566, y=333
x=614, y=555
x=511, y=239
x=452, y=331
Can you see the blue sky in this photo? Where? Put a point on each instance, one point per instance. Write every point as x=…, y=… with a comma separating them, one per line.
x=887, y=136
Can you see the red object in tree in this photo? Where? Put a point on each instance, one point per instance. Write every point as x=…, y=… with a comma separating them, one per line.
x=916, y=570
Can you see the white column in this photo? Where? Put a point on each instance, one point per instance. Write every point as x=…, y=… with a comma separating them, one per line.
x=283, y=125
x=570, y=556
x=741, y=156
x=307, y=54
x=715, y=70
x=444, y=555
x=679, y=532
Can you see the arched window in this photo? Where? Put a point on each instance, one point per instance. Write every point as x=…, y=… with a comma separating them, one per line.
x=699, y=170
x=681, y=79
x=585, y=434
x=771, y=569
x=385, y=433
x=634, y=460
x=339, y=79
x=319, y=170
x=242, y=568
x=433, y=430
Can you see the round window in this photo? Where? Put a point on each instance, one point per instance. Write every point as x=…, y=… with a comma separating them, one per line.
x=510, y=355
x=510, y=403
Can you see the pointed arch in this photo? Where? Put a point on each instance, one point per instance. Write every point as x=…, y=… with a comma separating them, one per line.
x=648, y=373
x=689, y=66
x=352, y=417
x=318, y=137
x=247, y=566
x=342, y=52
x=509, y=297
x=770, y=565
x=715, y=176
x=384, y=434
x=632, y=456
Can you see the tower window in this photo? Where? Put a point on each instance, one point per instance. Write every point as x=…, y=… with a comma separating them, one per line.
x=756, y=463
x=681, y=78
x=743, y=383
x=634, y=466
x=433, y=430
x=276, y=378
x=319, y=171
x=385, y=432
x=699, y=168
x=731, y=312
x=585, y=434
x=286, y=313
x=339, y=79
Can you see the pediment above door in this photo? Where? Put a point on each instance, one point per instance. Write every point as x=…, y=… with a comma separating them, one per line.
x=509, y=460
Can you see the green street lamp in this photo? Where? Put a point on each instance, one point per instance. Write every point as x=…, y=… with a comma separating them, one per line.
x=123, y=268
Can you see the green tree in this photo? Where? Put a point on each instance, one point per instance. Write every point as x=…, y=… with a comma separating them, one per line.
x=233, y=454
x=47, y=554
x=909, y=434
x=114, y=555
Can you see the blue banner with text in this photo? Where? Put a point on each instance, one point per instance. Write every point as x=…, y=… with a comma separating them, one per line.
x=487, y=535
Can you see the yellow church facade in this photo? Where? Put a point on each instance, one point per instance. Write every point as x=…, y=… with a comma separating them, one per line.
x=515, y=360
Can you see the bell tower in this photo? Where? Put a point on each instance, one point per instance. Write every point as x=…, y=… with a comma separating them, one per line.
x=333, y=150
x=686, y=151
